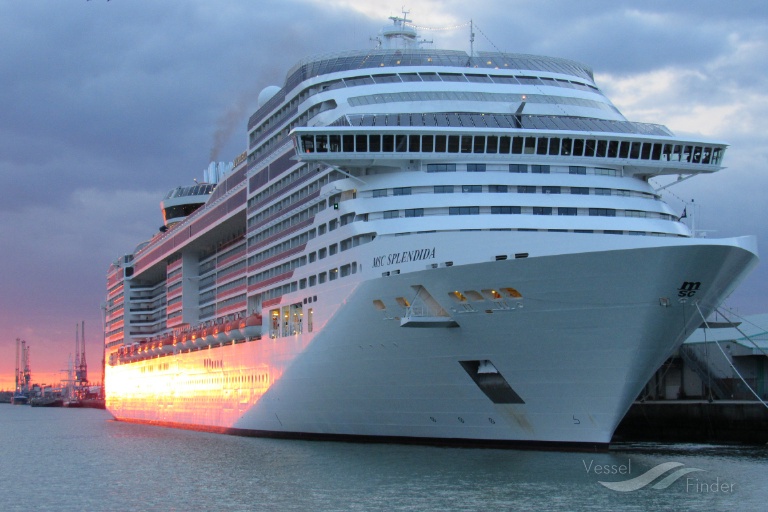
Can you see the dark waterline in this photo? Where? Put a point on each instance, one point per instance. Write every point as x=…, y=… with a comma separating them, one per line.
x=81, y=460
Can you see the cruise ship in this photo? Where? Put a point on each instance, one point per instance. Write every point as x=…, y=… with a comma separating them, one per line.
x=419, y=246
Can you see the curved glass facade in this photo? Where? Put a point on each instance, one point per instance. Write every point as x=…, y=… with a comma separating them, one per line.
x=421, y=57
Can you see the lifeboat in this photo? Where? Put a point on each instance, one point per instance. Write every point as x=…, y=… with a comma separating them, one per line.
x=219, y=333
x=165, y=344
x=209, y=335
x=199, y=334
x=233, y=330
x=251, y=326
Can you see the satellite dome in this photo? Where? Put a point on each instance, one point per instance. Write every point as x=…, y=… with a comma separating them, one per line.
x=266, y=94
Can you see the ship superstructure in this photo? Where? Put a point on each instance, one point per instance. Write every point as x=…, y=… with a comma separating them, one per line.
x=420, y=245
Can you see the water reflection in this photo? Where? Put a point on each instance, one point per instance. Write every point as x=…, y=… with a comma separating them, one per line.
x=81, y=460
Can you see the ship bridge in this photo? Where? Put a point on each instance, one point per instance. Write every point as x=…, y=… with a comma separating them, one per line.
x=648, y=151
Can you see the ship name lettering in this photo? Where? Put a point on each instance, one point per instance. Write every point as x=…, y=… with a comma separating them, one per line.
x=688, y=289
x=396, y=258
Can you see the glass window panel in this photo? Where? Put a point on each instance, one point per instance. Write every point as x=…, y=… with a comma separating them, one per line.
x=492, y=144
x=453, y=143
x=414, y=143
x=554, y=146
x=374, y=143
x=401, y=143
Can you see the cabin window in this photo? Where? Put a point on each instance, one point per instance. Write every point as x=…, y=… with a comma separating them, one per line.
x=441, y=167
x=464, y=210
x=414, y=212
x=505, y=210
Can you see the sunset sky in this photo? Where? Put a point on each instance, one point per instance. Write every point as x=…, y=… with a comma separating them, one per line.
x=105, y=106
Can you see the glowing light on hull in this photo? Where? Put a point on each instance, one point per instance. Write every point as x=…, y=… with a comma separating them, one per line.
x=208, y=388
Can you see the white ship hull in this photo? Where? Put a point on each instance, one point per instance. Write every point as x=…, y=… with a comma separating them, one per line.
x=575, y=349
x=423, y=246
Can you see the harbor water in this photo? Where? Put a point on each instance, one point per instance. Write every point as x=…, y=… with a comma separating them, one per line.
x=81, y=460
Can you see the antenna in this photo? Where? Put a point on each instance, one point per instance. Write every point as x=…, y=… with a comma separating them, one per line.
x=471, y=39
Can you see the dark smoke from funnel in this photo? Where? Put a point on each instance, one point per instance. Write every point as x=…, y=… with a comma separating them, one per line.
x=228, y=122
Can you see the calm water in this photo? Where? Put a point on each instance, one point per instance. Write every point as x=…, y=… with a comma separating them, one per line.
x=81, y=460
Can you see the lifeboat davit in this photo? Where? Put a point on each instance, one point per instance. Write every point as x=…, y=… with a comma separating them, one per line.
x=251, y=326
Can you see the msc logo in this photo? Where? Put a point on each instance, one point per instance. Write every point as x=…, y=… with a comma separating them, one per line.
x=688, y=289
